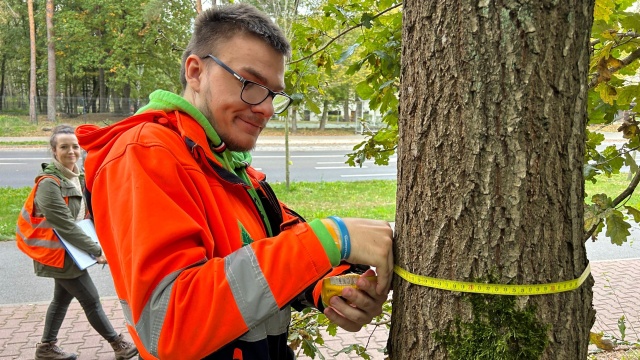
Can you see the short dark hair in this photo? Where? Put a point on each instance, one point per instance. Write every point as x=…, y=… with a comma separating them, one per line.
x=223, y=22
x=60, y=129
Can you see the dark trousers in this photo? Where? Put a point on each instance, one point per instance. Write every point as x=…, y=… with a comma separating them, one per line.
x=83, y=289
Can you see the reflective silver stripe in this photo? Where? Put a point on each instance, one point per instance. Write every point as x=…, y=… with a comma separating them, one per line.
x=152, y=317
x=249, y=287
x=150, y=323
x=44, y=243
x=275, y=325
x=43, y=225
x=126, y=309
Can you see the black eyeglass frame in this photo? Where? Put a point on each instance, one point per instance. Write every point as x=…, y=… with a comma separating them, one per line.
x=244, y=85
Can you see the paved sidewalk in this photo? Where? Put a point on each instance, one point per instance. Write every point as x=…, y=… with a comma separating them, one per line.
x=21, y=325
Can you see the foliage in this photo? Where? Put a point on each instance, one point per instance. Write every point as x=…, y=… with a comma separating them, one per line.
x=309, y=327
x=498, y=330
x=374, y=51
x=615, y=58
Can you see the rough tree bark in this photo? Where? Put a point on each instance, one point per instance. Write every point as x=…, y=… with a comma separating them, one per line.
x=492, y=119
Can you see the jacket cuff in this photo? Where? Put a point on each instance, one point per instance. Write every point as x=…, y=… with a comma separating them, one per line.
x=333, y=253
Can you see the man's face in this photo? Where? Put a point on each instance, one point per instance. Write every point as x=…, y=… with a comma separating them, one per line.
x=216, y=92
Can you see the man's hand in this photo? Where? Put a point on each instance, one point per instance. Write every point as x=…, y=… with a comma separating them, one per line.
x=101, y=259
x=372, y=244
x=363, y=304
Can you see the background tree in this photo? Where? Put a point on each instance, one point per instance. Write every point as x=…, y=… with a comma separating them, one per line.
x=490, y=185
x=51, y=61
x=32, y=62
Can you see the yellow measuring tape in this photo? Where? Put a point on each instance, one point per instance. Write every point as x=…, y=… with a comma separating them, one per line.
x=493, y=289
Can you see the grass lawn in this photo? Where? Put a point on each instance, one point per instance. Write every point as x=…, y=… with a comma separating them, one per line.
x=374, y=199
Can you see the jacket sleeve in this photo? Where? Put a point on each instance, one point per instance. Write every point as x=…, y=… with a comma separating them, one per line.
x=176, y=253
x=50, y=202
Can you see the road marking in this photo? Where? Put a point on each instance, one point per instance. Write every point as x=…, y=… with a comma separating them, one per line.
x=6, y=159
x=337, y=167
x=12, y=163
x=363, y=175
x=329, y=162
x=296, y=156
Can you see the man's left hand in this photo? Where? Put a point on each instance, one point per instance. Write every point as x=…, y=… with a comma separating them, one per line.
x=361, y=305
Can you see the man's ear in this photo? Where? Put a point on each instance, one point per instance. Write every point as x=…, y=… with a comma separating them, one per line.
x=194, y=69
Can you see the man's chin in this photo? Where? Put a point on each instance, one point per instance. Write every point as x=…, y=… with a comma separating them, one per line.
x=245, y=145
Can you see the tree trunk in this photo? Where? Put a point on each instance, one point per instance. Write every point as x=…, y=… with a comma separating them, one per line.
x=32, y=64
x=126, y=97
x=325, y=114
x=51, y=62
x=2, y=72
x=294, y=119
x=104, y=105
x=490, y=185
x=345, y=109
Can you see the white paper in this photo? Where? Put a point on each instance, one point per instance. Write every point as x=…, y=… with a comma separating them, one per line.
x=82, y=258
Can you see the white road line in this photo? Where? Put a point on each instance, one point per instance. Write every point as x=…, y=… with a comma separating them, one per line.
x=363, y=175
x=12, y=163
x=7, y=159
x=337, y=167
x=296, y=156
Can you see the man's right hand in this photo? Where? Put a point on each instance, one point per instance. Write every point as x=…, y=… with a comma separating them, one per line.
x=372, y=244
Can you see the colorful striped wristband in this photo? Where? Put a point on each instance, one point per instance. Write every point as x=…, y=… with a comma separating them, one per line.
x=345, y=239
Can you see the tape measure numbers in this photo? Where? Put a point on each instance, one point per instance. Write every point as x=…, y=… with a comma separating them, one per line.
x=493, y=289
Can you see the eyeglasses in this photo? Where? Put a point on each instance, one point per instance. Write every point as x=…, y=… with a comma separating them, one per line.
x=253, y=93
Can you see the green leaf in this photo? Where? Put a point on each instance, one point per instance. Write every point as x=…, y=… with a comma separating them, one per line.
x=364, y=90
x=617, y=228
x=631, y=163
x=367, y=20
x=347, y=53
x=633, y=212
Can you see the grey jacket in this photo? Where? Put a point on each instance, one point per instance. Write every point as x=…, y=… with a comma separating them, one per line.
x=49, y=202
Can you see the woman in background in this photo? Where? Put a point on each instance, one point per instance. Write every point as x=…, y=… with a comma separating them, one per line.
x=56, y=204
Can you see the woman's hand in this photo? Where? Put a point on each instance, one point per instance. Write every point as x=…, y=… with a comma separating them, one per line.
x=101, y=259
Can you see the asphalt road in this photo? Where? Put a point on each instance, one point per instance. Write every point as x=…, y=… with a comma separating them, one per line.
x=19, y=167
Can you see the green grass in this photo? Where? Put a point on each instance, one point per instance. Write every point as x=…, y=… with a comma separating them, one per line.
x=11, y=201
x=375, y=199
x=367, y=199
x=612, y=186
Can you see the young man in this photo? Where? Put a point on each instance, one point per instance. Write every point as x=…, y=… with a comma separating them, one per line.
x=205, y=260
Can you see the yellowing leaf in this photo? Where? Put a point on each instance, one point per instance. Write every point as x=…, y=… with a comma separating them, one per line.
x=597, y=340
x=603, y=9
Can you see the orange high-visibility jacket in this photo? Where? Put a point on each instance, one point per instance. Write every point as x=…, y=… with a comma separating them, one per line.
x=172, y=222
x=35, y=236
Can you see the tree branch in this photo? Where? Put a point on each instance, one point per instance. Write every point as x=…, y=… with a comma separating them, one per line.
x=343, y=33
x=630, y=34
x=635, y=55
x=620, y=198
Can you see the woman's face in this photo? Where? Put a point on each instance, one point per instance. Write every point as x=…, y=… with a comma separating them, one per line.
x=67, y=150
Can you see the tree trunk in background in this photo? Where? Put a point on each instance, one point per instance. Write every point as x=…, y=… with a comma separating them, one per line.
x=2, y=72
x=325, y=114
x=104, y=105
x=126, y=97
x=51, y=65
x=32, y=64
x=490, y=184
x=198, y=6
x=345, y=109
x=294, y=119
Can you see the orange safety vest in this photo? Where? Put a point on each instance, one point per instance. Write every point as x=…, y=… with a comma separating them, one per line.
x=35, y=236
